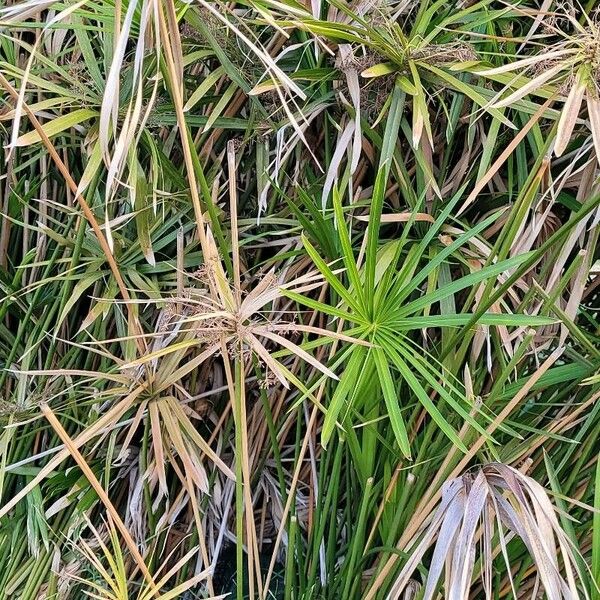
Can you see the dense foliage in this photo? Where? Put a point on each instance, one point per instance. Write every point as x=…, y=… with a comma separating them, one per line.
x=299, y=300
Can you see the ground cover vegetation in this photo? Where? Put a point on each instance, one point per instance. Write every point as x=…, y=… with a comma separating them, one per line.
x=299, y=300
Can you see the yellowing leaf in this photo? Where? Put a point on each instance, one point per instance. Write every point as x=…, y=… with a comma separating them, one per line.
x=403, y=217
x=58, y=125
x=465, y=65
x=379, y=70
x=91, y=168
x=593, y=105
x=531, y=86
x=261, y=88
x=569, y=115
x=406, y=85
x=204, y=87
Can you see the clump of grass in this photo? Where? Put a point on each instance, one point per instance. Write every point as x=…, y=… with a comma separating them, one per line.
x=299, y=301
